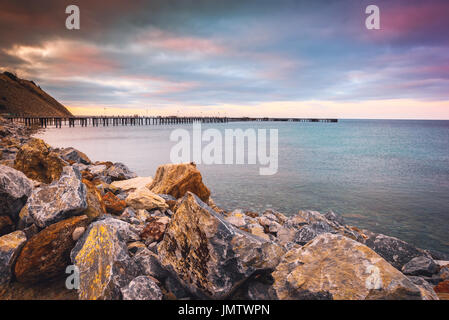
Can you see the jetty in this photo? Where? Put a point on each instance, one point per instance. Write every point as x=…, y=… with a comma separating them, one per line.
x=95, y=121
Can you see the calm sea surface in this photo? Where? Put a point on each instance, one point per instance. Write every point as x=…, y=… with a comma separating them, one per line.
x=386, y=176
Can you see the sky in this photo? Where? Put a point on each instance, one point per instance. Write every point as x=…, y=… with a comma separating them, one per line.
x=235, y=58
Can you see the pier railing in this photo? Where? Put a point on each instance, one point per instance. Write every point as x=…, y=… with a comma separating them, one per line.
x=96, y=121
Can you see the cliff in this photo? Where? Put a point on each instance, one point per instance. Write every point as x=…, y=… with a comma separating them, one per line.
x=24, y=97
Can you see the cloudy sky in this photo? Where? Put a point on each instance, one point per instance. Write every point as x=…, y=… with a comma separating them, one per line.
x=253, y=58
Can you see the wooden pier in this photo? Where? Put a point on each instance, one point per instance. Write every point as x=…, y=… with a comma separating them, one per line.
x=95, y=121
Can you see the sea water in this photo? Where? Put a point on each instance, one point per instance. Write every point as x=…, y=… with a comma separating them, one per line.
x=389, y=176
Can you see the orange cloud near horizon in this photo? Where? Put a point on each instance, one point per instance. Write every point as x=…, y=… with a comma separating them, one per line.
x=371, y=109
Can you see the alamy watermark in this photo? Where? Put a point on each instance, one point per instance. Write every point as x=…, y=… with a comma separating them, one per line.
x=261, y=147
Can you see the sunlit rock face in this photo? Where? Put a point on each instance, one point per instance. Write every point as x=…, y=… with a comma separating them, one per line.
x=47, y=254
x=177, y=179
x=209, y=255
x=104, y=263
x=39, y=162
x=333, y=266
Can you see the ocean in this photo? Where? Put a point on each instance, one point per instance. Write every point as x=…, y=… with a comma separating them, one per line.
x=389, y=176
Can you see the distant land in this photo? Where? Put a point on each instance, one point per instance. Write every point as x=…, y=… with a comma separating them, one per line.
x=24, y=97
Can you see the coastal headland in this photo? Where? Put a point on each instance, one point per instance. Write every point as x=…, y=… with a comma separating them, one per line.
x=72, y=228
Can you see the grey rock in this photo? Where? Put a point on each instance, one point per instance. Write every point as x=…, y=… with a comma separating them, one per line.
x=395, y=251
x=10, y=246
x=420, y=266
x=210, y=256
x=425, y=287
x=15, y=188
x=59, y=200
x=309, y=232
x=129, y=215
x=119, y=171
x=142, y=288
x=72, y=155
x=127, y=231
x=97, y=169
x=336, y=218
x=149, y=264
x=167, y=197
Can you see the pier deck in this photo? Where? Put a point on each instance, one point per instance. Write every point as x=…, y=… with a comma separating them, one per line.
x=96, y=121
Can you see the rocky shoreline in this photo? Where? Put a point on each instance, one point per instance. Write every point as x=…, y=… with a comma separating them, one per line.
x=164, y=238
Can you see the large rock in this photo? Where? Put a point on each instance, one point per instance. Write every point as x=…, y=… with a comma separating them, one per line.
x=95, y=204
x=10, y=246
x=209, y=255
x=47, y=254
x=420, y=266
x=145, y=199
x=142, y=288
x=15, y=188
x=395, y=251
x=177, y=179
x=72, y=155
x=332, y=266
x=37, y=160
x=132, y=184
x=59, y=200
x=104, y=263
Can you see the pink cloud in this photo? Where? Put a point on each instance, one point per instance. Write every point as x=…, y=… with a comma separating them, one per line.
x=169, y=41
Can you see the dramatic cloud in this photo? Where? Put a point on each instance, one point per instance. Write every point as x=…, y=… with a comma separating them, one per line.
x=226, y=56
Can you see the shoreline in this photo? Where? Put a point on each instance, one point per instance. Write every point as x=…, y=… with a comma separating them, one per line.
x=154, y=222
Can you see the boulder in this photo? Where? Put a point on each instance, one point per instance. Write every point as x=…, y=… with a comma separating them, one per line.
x=95, y=204
x=177, y=179
x=37, y=160
x=332, y=266
x=47, y=254
x=142, y=288
x=15, y=188
x=113, y=204
x=71, y=155
x=6, y=225
x=395, y=251
x=425, y=288
x=59, y=200
x=10, y=246
x=132, y=184
x=209, y=255
x=104, y=263
x=145, y=199
x=149, y=264
x=420, y=266
x=119, y=171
